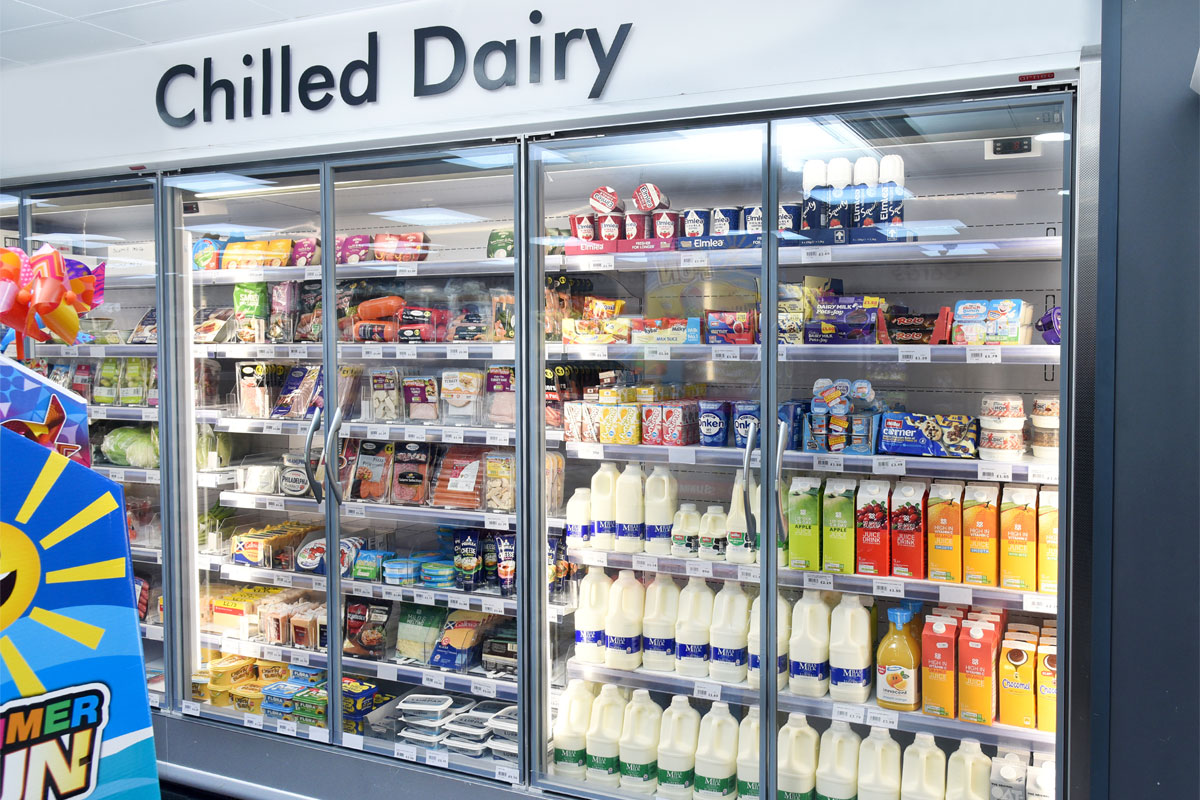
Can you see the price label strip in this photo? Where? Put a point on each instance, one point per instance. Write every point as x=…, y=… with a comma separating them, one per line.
x=818, y=580
x=707, y=690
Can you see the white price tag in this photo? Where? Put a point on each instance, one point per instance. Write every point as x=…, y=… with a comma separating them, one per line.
x=70, y=351
x=707, y=690
x=297, y=351
x=283, y=578
x=415, y=433
x=286, y=726
x=372, y=351
x=154, y=633
x=594, y=558
x=388, y=672
x=681, y=455
x=645, y=563
x=361, y=589
x=273, y=426
x=829, y=463
x=95, y=351
x=98, y=412
x=150, y=414
x=252, y=721
x=756, y=459
x=460, y=601
x=274, y=504
x=318, y=734
x=155, y=700
x=481, y=687
x=748, y=573
x=995, y=472
x=312, y=272
x=818, y=580
x=406, y=269
x=319, y=583
x=153, y=476
x=507, y=773
x=406, y=752
x=697, y=568
x=355, y=510
x=434, y=680
x=658, y=352
x=886, y=588
x=889, y=466
x=377, y=431
x=252, y=275
x=585, y=450
x=599, y=263
x=882, y=718
x=1043, y=474
x=299, y=657
x=393, y=593
x=593, y=352
x=352, y=740
x=1040, y=603
x=437, y=758
x=504, y=352
x=117, y=475
x=457, y=352
x=957, y=595
x=272, y=653
x=913, y=354
x=423, y=597
x=191, y=708
x=452, y=435
x=726, y=352
x=693, y=258
x=492, y=605
x=847, y=712
x=495, y=437
x=251, y=649
x=983, y=355
x=406, y=351
x=816, y=255
x=231, y=645
x=495, y=522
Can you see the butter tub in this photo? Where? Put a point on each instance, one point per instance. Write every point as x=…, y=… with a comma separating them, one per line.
x=272, y=671
x=307, y=676
x=219, y=695
x=247, y=698
x=272, y=711
x=310, y=703
x=280, y=694
x=200, y=682
x=231, y=671
x=306, y=719
x=357, y=696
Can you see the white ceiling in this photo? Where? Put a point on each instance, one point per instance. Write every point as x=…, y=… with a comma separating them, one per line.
x=39, y=31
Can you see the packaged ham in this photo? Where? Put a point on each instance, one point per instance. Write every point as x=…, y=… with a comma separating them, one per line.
x=470, y=312
x=501, y=400
x=373, y=471
x=556, y=468
x=285, y=302
x=383, y=395
x=410, y=482
x=420, y=398
x=308, y=321
x=347, y=456
x=254, y=391
x=504, y=316
x=462, y=393
x=299, y=389
x=460, y=477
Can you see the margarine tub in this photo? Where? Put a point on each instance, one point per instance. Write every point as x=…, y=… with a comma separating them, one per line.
x=467, y=748
x=230, y=671
x=200, y=686
x=505, y=749
x=307, y=719
x=504, y=723
x=247, y=698
x=400, y=571
x=310, y=702
x=210, y=654
x=219, y=695
x=271, y=671
x=470, y=727
x=417, y=736
x=357, y=696
x=424, y=706
x=280, y=694
x=276, y=712
x=308, y=676
x=355, y=723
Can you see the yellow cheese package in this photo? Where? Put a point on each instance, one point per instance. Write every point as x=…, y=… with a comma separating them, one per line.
x=462, y=635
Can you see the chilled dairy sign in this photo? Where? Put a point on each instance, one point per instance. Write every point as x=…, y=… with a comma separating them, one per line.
x=271, y=81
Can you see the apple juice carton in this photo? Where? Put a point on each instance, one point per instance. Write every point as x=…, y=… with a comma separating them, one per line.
x=1018, y=661
x=908, y=528
x=804, y=523
x=837, y=526
x=1047, y=685
x=978, y=654
x=871, y=522
x=1018, y=537
x=1047, y=541
x=981, y=534
x=939, y=673
x=945, y=531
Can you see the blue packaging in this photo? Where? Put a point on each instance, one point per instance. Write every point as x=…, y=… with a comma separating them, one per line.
x=866, y=205
x=714, y=423
x=752, y=219
x=792, y=412
x=696, y=222
x=789, y=217
x=745, y=411
x=840, y=211
x=891, y=204
x=812, y=213
x=725, y=220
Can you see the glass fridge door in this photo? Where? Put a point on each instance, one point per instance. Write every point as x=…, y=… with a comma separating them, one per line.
x=649, y=246
x=920, y=380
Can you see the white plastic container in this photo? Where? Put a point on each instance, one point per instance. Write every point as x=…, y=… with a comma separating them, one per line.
x=631, y=510
x=754, y=642
x=604, y=506
x=729, y=634
x=713, y=536
x=604, y=737
x=692, y=629
x=678, y=736
x=879, y=767
x=850, y=673
x=662, y=500
x=797, y=756
x=808, y=648
x=716, y=754
x=658, y=624
x=590, y=616
x=740, y=548
x=570, y=729
x=623, y=624
x=837, y=764
x=639, y=744
x=924, y=770
x=1009, y=776
x=968, y=773
x=579, y=519
x=747, y=755
x=685, y=531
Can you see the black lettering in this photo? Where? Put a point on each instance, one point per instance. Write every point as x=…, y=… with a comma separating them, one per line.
x=248, y=89
x=561, y=40
x=605, y=61
x=285, y=78
x=315, y=79
x=535, y=50
x=421, y=88
x=509, y=78
x=267, y=87
x=160, y=96
x=371, y=67
x=225, y=85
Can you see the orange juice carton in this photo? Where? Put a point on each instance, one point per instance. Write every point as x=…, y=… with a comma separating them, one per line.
x=978, y=654
x=939, y=676
x=1019, y=537
x=1047, y=686
x=1047, y=537
x=837, y=526
x=1018, y=698
x=871, y=522
x=908, y=528
x=981, y=534
x=944, y=531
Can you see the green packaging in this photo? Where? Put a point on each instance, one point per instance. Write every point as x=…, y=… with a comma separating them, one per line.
x=804, y=523
x=501, y=244
x=837, y=526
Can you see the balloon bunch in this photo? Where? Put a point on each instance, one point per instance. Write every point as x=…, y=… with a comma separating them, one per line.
x=46, y=294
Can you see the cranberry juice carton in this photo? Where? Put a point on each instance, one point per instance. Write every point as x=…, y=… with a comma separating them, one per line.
x=872, y=521
x=908, y=528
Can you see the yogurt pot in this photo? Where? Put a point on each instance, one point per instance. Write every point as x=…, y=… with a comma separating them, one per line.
x=1048, y=453
x=1002, y=405
x=725, y=220
x=583, y=227
x=666, y=224
x=1045, y=411
x=1002, y=423
x=1002, y=440
x=696, y=222
x=649, y=197
x=789, y=217
x=610, y=227
x=989, y=454
x=1045, y=437
x=638, y=225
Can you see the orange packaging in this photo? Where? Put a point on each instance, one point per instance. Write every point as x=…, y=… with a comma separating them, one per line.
x=958, y=612
x=1047, y=686
x=939, y=677
x=945, y=531
x=981, y=534
x=908, y=528
x=1047, y=553
x=871, y=522
x=978, y=654
x=1019, y=537
x=1018, y=662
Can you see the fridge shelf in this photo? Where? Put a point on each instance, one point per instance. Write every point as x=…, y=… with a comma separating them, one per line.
x=429, y=351
x=1039, y=354
x=262, y=575
x=151, y=631
x=486, y=766
x=300, y=350
x=429, y=268
x=556, y=351
x=192, y=708
x=96, y=350
x=135, y=413
x=375, y=511
x=472, y=683
x=287, y=427
x=267, y=652
x=146, y=555
x=865, y=713
x=428, y=433
x=128, y=474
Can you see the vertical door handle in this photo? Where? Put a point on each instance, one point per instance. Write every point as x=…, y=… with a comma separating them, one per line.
x=313, y=483
x=331, y=438
x=780, y=491
x=751, y=436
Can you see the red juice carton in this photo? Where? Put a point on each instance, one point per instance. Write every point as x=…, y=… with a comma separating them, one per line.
x=652, y=423
x=872, y=523
x=908, y=528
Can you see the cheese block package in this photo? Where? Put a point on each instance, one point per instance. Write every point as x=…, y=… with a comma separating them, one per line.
x=462, y=636
x=418, y=629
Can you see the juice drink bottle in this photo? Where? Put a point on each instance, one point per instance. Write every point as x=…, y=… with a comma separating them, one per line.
x=691, y=630
x=741, y=546
x=945, y=531
x=1047, y=685
x=837, y=526
x=968, y=773
x=924, y=770
x=981, y=534
x=716, y=754
x=579, y=519
x=604, y=506
x=908, y=528
x=570, y=729
x=1018, y=537
x=658, y=625
x=1018, y=695
x=747, y=758
x=639, y=744
x=850, y=651
x=1047, y=551
x=623, y=623
x=898, y=664
x=590, y=616
x=872, y=520
x=630, y=510
x=685, y=531
x=678, y=734
x=713, y=536
x=879, y=767
x=977, y=657
x=754, y=642
x=604, y=737
x=837, y=764
x=939, y=671
x=808, y=649
x=804, y=523
x=729, y=634
x=797, y=756
x=662, y=499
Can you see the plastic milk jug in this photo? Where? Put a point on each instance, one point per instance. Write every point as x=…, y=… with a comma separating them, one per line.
x=604, y=506
x=747, y=755
x=850, y=654
x=924, y=770
x=716, y=754
x=579, y=519
x=623, y=624
x=968, y=773
x=677, y=749
x=783, y=617
x=685, y=531
x=658, y=624
x=639, y=744
x=713, y=535
x=570, y=729
x=741, y=548
x=729, y=634
x=837, y=764
x=662, y=498
x=808, y=649
x=691, y=631
x=630, y=510
x=604, y=736
x=879, y=767
x=797, y=756
x=590, y=616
